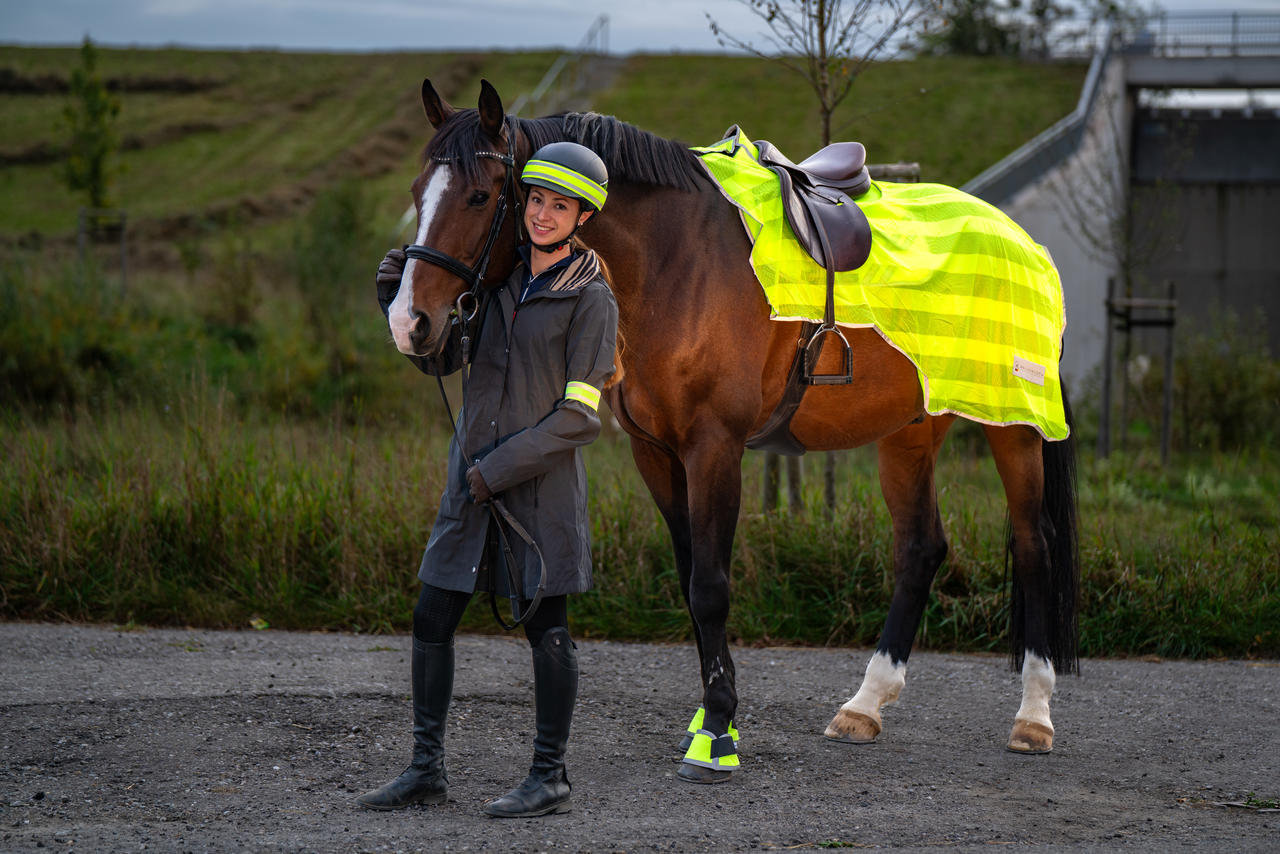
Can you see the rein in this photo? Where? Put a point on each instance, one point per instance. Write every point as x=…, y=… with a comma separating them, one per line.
x=468, y=307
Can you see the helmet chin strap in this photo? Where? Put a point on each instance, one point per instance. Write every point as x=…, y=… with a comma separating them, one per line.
x=551, y=248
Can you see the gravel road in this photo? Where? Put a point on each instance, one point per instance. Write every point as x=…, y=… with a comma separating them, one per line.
x=184, y=740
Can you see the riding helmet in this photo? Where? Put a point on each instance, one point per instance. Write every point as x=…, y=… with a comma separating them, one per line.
x=569, y=169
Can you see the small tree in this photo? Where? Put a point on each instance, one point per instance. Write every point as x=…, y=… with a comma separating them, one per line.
x=828, y=42
x=90, y=117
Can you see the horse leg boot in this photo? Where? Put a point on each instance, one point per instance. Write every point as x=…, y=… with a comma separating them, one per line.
x=424, y=781
x=555, y=692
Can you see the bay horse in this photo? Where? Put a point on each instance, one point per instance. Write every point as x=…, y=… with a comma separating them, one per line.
x=704, y=367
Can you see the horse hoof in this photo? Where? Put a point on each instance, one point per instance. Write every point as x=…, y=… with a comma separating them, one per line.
x=698, y=774
x=852, y=728
x=1030, y=737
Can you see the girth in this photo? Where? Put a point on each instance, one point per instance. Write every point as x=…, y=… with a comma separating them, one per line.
x=775, y=434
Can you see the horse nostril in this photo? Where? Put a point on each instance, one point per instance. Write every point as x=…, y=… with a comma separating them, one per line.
x=421, y=324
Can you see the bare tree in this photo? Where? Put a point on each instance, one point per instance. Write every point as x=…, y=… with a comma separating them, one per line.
x=828, y=42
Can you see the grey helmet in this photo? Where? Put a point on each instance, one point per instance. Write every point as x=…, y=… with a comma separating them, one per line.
x=569, y=169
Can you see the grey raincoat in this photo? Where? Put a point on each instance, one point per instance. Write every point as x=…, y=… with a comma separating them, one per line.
x=525, y=414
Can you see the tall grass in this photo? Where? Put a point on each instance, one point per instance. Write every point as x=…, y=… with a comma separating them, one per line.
x=204, y=517
x=235, y=440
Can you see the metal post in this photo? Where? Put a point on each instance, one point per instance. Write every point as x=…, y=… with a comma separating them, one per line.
x=795, y=499
x=1104, y=414
x=771, y=480
x=1126, y=351
x=829, y=480
x=1166, y=420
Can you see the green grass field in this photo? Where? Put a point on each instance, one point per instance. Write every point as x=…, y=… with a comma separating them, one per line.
x=232, y=440
x=260, y=130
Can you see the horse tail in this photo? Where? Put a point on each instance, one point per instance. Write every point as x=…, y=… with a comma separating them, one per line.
x=1059, y=518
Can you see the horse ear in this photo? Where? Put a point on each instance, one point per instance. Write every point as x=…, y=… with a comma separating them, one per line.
x=491, y=114
x=438, y=109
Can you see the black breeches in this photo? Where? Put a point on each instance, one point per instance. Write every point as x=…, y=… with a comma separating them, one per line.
x=438, y=612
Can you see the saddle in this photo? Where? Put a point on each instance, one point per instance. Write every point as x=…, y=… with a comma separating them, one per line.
x=817, y=197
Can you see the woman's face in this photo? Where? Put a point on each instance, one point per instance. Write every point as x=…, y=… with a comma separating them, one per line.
x=550, y=217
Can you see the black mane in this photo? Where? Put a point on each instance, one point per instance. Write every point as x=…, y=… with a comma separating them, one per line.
x=629, y=153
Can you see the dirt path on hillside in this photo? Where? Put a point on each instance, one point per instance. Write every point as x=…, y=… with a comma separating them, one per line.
x=172, y=740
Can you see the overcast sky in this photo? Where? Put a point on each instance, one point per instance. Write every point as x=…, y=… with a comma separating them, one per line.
x=658, y=26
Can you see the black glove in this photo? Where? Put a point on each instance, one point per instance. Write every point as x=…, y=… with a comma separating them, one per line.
x=479, y=489
x=388, y=277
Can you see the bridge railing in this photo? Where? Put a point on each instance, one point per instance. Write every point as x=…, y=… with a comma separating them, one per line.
x=567, y=77
x=1049, y=148
x=1213, y=34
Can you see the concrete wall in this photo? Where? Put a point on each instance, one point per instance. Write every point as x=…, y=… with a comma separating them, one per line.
x=1066, y=212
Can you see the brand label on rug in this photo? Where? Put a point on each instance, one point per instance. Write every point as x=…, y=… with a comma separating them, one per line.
x=1027, y=370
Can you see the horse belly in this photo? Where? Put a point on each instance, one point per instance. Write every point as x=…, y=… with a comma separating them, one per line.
x=884, y=397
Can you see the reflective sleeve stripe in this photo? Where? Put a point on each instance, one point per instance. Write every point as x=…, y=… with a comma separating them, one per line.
x=585, y=394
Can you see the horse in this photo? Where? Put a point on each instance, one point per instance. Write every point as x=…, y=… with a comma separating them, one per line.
x=704, y=366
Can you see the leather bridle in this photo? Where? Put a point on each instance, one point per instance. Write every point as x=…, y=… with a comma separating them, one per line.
x=468, y=302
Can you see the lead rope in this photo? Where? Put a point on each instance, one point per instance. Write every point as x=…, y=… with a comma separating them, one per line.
x=498, y=511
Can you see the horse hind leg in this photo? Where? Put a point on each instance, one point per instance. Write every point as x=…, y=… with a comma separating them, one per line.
x=906, y=462
x=1041, y=547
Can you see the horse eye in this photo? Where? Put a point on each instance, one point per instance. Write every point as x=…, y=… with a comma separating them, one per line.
x=478, y=198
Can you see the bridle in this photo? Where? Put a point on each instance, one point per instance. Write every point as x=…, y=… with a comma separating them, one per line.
x=468, y=302
x=467, y=307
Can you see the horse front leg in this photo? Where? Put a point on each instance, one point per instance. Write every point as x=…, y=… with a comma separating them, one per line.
x=714, y=473
x=664, y=475
x=906, y=462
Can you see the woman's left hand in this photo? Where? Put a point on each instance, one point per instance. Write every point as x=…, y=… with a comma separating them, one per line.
x=479, y=489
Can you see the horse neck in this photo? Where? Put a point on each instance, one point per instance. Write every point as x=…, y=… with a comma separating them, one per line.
x=640, y=235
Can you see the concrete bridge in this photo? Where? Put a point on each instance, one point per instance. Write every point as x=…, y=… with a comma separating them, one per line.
x=1153, y=183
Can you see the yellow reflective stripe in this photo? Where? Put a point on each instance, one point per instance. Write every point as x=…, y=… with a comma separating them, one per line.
x=587, y=395
x=952, y=283
x=705, y=744
x=570, y=180
x=696, y=724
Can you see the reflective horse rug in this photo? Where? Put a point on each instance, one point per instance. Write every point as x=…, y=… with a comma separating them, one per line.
x=952, y=283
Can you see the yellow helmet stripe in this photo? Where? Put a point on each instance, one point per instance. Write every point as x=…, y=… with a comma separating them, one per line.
x=586, y=394
x=575, y=182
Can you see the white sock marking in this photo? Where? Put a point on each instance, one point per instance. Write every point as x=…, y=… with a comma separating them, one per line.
x=400, y=312
x=1037, y=688
x=880, y=687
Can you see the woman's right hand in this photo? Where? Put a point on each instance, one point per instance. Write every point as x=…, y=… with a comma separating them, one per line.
x=388, y=277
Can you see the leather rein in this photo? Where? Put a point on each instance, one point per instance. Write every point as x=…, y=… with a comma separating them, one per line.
x=467, y=308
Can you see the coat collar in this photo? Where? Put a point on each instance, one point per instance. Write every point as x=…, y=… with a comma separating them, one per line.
x=582, y=267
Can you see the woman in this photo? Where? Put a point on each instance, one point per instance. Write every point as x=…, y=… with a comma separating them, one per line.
x=543, y=353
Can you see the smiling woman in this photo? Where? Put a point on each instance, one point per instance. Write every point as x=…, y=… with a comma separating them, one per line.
x=544, y=329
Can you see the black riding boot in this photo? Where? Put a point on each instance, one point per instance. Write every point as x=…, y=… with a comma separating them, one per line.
x=555, y=692
x=424, y=781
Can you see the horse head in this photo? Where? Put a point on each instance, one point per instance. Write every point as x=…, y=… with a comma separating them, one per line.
x=468, y=212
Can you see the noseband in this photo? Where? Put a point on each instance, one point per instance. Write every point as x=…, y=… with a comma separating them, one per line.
x=469, y=301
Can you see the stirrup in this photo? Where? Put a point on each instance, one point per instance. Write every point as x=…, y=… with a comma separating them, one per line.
x=811, y=358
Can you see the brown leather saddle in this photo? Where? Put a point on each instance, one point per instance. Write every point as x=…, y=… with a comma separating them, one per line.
x=817, y=197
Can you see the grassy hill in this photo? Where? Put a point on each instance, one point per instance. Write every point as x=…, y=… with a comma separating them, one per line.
x=255, y=135
x=230, y=439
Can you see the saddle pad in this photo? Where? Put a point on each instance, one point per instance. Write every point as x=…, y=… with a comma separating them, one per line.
x=952, y=283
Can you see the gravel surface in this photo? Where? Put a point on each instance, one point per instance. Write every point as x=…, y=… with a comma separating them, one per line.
x=184, y=740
